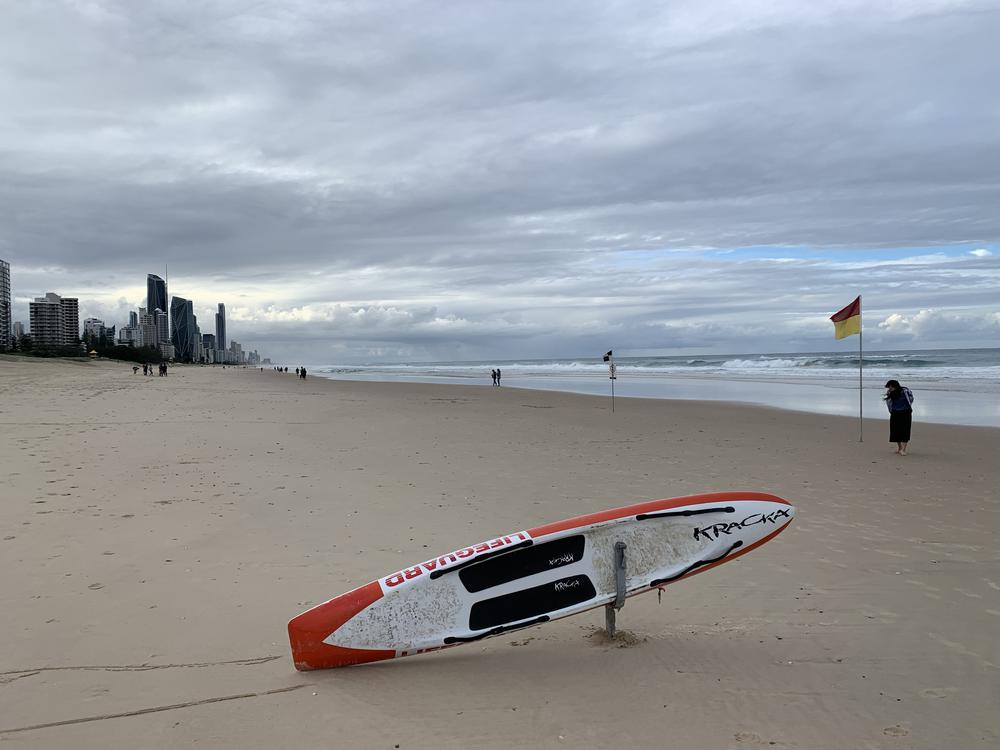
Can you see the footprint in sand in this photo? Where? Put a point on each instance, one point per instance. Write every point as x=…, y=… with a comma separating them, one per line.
x=896, y=731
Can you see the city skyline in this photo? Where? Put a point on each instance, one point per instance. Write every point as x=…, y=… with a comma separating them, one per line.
x=54, y=321
x=148, y=325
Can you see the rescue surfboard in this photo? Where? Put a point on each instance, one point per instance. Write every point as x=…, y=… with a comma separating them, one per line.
x=534, y=576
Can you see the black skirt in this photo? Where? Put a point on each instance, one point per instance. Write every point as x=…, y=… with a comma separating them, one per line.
x=899, y=426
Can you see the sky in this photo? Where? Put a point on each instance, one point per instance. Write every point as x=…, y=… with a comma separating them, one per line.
x=429, y=181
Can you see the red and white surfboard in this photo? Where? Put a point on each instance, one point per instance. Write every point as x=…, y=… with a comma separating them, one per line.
x=534, y=576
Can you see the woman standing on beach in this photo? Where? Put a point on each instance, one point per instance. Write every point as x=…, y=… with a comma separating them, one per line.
x=899, y=400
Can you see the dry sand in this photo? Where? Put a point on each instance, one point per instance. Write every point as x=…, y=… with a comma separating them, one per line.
x=156, y=535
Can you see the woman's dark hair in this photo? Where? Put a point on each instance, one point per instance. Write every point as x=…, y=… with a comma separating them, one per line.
x=893, y=385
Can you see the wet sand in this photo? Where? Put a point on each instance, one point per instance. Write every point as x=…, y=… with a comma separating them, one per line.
x=157, y=533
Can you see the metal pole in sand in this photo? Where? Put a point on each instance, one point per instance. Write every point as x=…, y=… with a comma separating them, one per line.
x=612, y=377
x=861, y=401
x=611, y=609
x=609, y=358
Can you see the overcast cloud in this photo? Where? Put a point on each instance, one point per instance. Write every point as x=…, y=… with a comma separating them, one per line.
x=453, y=180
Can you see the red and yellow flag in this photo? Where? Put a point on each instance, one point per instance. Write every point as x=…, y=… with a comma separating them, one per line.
x=847, y=322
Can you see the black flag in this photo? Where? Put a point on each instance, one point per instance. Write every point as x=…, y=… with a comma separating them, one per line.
x=607, y=356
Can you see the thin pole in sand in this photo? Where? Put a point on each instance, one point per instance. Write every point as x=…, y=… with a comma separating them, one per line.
x=861, y=402
x=843, y=326
x=609, y=358
x=612, y=378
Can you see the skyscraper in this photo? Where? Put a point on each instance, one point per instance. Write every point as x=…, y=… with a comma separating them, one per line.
x=156, y=293
x=182, y=323
x=196, y=350
x=71, y=319
x=146, y=330
x=4, y=304
x=220, y=327
x=93, y=328
x=162, y=327
x=55, y=320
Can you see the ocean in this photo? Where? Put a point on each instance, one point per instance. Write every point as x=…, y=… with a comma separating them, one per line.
x=954, y=386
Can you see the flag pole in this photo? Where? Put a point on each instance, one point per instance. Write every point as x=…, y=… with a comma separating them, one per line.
x=861, y=407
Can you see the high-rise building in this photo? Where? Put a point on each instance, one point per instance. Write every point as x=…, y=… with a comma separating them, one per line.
x=133, y=319
x=128, y=336
x=156, y=293
x=18, y=330
x=55, y=320
x=236, y=355
x=71, y=319
x=146, y=330
x=182, y=323
x=196, y=348
x=97, y=333
x=46, y=318
x=93, y=327
x=4, y=305
x=162, y=327
x=209, y=352
x=220, y=327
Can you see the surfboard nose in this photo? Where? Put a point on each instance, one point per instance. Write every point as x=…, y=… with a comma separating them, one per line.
x=764, y=520
x=745, y=523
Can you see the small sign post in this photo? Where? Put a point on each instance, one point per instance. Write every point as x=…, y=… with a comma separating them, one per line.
x=612, y=376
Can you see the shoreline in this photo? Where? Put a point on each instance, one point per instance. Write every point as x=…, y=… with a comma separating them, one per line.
x=825, y=399
x=935, y=405
x=936, y=402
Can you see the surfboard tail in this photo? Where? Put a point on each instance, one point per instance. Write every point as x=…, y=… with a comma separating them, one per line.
x=308, y=632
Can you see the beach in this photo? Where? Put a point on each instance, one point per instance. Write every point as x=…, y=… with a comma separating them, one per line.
x=156, y=535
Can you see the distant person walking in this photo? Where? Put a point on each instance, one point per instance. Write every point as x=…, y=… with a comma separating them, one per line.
x=135, y=369
x=296, y=370
x=498, y=377
x=302, y=373
x=899, y=401
x=493, y=374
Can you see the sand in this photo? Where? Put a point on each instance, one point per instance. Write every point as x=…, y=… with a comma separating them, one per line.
x=156, y=535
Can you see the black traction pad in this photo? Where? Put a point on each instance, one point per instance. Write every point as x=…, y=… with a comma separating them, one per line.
x=522, y=563
x=538, y=600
